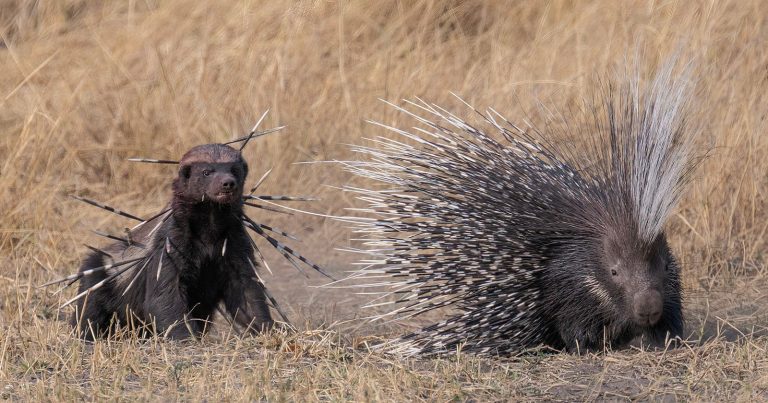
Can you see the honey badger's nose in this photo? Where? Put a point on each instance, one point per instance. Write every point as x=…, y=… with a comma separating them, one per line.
x=647, y=306
x=228, y=184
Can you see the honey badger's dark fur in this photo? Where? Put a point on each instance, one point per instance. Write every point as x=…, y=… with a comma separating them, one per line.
x=196, y=256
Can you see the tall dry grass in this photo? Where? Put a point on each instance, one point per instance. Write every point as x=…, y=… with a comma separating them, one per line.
x=86, y=84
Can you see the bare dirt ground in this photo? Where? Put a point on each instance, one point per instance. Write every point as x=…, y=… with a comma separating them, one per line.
x=85, y=85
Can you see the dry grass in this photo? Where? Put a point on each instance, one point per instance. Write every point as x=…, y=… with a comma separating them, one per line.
x=86, y=84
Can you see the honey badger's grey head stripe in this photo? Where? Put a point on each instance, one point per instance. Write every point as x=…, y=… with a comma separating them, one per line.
x=211, y=153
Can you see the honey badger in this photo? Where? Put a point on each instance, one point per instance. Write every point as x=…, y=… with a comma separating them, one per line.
x=175, y=270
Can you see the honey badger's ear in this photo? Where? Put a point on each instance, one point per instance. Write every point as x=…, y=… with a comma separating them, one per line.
x=245, y=169
x=185, y=171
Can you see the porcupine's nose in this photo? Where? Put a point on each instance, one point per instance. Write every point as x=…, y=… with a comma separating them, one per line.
x=647, y=306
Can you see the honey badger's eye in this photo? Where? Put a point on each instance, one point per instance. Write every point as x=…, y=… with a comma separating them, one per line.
x=206, y=172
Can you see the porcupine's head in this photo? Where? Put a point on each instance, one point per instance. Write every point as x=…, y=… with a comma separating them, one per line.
x=639, y=281
x=213, y=173
x=645, y=167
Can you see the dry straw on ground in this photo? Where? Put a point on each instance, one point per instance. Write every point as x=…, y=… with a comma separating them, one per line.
x=86, y=84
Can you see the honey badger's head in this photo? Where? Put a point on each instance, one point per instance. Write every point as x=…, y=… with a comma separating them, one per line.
x=211, y=173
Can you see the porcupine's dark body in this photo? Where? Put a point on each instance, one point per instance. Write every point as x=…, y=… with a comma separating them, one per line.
x=190, y=259
x=528, y=243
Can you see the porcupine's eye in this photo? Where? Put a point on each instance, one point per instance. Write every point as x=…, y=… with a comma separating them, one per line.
x=206, y=172
x=614, y=272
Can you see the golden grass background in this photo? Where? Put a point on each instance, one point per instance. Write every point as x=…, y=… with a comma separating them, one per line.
x=86, y=84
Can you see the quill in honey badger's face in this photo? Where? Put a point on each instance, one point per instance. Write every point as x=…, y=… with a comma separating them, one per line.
x=211, y=173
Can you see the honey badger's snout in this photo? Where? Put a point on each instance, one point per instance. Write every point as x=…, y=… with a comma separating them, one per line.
x=647, y=306
x=224, y=187
x=229, y=184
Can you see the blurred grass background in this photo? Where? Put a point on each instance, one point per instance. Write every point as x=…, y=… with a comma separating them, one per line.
x=86, y=84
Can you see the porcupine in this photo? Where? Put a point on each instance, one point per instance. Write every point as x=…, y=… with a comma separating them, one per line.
x=529, y=242
x=174, y=270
